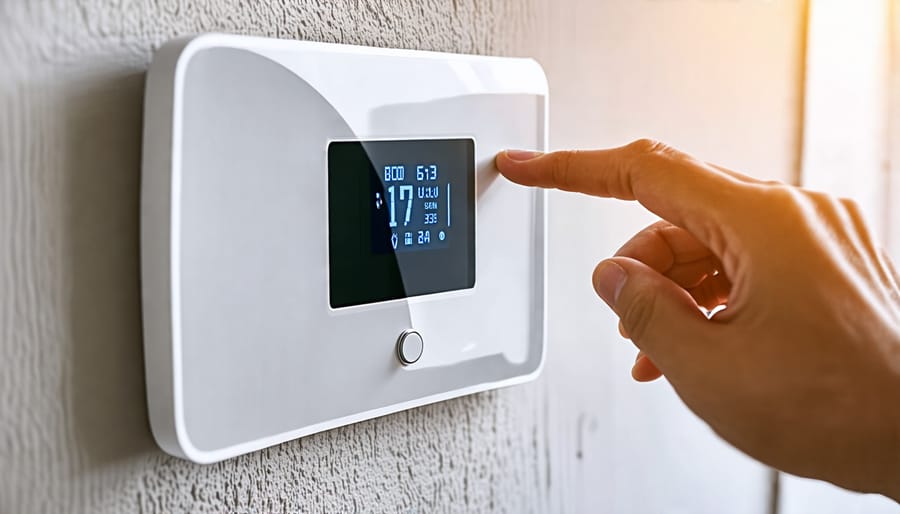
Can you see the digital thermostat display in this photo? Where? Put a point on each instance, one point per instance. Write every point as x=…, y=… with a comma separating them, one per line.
x=401, y=218
x=415, y=200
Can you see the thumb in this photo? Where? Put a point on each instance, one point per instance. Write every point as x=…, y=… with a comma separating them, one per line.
x=660, y=317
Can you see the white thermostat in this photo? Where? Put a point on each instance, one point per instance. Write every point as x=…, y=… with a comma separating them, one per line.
x=325, y=238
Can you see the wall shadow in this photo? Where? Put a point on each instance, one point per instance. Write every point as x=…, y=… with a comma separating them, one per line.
x=102, y=117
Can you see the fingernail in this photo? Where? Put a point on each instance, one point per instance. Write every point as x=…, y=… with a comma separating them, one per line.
x=608, y=281
x=523, y=155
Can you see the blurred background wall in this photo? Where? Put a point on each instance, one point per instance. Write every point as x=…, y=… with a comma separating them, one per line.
x=726, y=80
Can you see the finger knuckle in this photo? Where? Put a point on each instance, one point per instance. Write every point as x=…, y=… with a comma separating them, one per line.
x=851, y=205
x=828, y=207
x=647, y=146
x=785, y=199
x=638, y=315
x=818, y=197
x=798, y=213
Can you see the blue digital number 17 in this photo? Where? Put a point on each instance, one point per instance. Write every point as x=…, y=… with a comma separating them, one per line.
x=406, y=193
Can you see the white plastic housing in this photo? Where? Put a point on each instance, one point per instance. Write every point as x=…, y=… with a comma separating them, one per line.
x=242, y=348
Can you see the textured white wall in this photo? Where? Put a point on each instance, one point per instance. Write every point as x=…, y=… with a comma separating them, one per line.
x=720, y=78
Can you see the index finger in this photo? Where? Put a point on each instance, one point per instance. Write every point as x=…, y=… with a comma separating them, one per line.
x=673, y=185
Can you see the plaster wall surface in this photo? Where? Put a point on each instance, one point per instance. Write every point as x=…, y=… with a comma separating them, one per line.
x=719, y=78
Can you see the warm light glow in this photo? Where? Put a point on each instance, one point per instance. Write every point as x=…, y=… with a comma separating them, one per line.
x=845, y=121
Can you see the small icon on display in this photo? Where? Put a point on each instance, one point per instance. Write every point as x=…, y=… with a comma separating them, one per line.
x=407, y=238
x=394, y=241
x=442, y=235
x=378, y=201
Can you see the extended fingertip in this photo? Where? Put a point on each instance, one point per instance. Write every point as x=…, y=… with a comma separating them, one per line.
x=522, y=155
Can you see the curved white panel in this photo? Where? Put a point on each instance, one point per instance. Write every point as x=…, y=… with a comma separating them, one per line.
x=235, y=239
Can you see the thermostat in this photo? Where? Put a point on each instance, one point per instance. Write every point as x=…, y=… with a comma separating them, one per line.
x=325, y=238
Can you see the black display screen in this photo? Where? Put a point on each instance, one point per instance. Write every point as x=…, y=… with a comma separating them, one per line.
x=401, y=219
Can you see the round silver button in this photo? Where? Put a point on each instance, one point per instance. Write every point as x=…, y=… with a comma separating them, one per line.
x=410, y=346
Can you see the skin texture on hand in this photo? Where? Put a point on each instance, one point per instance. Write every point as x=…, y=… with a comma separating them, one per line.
x=768, y=308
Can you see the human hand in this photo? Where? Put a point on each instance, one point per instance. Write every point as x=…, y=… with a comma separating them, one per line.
x=800, y=366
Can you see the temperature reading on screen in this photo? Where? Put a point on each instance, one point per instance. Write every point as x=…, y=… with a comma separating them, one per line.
x=418, y=206
x=405, y=194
